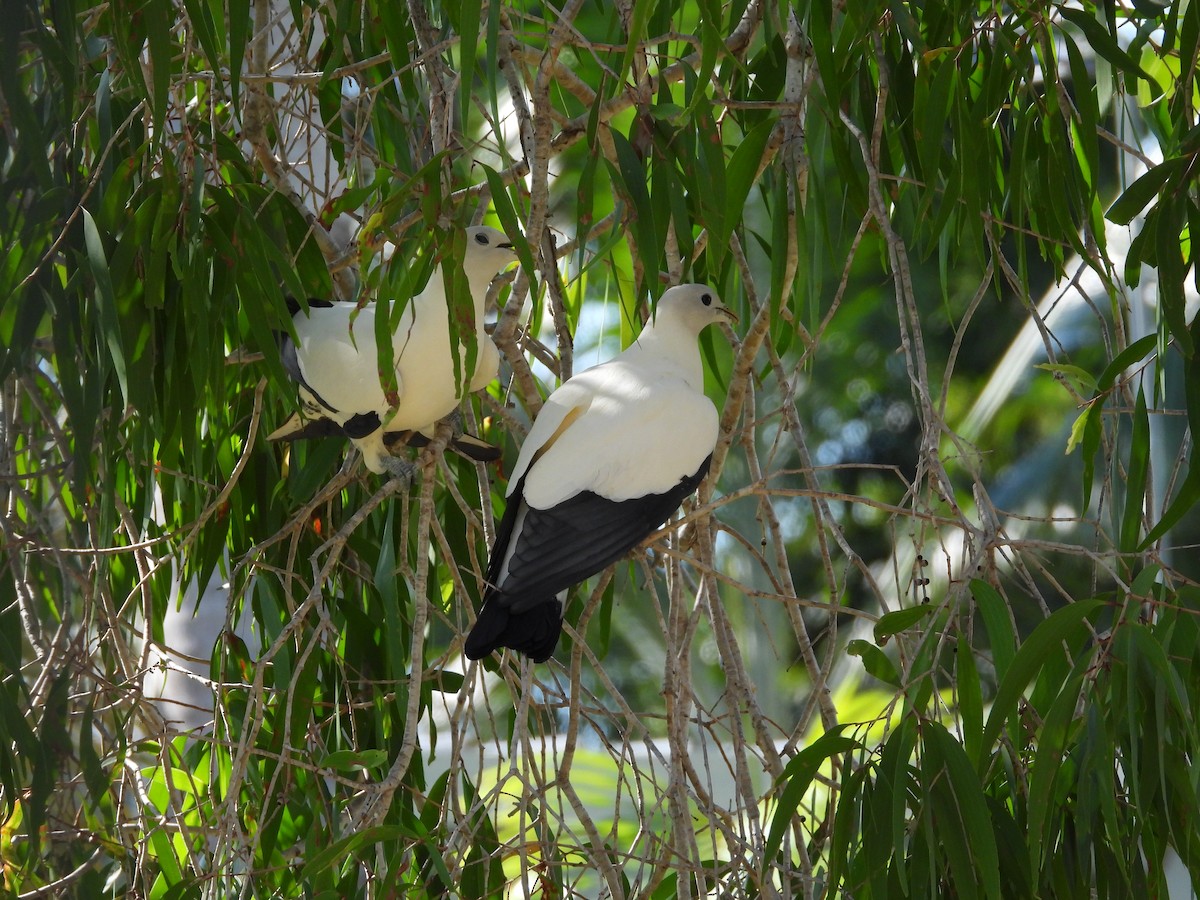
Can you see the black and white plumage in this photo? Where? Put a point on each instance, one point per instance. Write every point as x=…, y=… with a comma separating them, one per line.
x=611, y=455
x=335, y=362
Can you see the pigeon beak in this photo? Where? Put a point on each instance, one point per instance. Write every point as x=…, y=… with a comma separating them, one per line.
x=729, y=314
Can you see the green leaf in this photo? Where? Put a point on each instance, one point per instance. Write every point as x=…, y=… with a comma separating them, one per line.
x=1087, y=430
x=961, y=812
x=239, y=28
x=875, y=661
x=1185, y=500
x=160, y=849
x=433, y=846
x=158, y=20
x=447, y=682
x=29, y=318
x=636, y=33
x=460, y=313
x=998, y=623
x=712, y=45
x=1084, y=380
x=895, y=769
x=484, y=868
x=797, y=776
x=879, y=851
x=706, y=173
x=396, y=630
x=970, y=696
x=1172, y=269
x=847, y=823
x=1136, y=476
x=1135, y=197
x=348, y=845
x=106, y=301
x=509, y=222
x=469, y=21
x=1052, y=746
x=354, y=759
x=899, y=620
x=201, y=20
x=941, y=83
x=94, y=774
x=1083, y=132
x=1102, y=41
x=632, y=178
x=742, y=173
x=1046, y=639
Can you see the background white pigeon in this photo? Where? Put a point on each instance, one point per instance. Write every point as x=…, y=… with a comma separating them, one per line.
x=335, y=360
x=612, y=454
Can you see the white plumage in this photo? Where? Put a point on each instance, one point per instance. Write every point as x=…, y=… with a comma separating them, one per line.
x=335, y=360
x=612, y=454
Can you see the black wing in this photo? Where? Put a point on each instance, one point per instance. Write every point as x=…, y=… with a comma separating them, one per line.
x=555, y=549
x=312, y=429
x=561, y=546
x=465, y=445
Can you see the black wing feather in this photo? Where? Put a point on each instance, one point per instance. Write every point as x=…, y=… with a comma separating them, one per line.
x=534, y=633
x=557, y=548
x=313, y=429
x=465, y=445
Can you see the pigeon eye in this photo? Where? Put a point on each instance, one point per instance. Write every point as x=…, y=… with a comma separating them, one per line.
x=481, y=239
x=706, y=299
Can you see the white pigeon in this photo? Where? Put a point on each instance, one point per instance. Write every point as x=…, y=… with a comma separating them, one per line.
x=335, y=360
x=611, y=455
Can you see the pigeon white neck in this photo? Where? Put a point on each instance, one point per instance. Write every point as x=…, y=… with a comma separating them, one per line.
x=672, y=344
x=479, y=278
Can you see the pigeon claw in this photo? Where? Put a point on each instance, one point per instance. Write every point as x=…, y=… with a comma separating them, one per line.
x=400, y=469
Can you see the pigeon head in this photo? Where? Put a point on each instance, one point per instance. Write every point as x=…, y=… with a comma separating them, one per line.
x=488, y=248
x=691, y=307
x=488, y=251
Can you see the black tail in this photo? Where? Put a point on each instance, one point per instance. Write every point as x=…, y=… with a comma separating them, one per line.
x=533, y=632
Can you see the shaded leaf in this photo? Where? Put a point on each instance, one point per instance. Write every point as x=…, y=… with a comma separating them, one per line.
x=1046, y=639
x=797, y=776
x=875, y=661
x=899, y=620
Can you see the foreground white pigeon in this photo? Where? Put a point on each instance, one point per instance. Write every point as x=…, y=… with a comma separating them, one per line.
x=612, y=454
x=335, y=360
